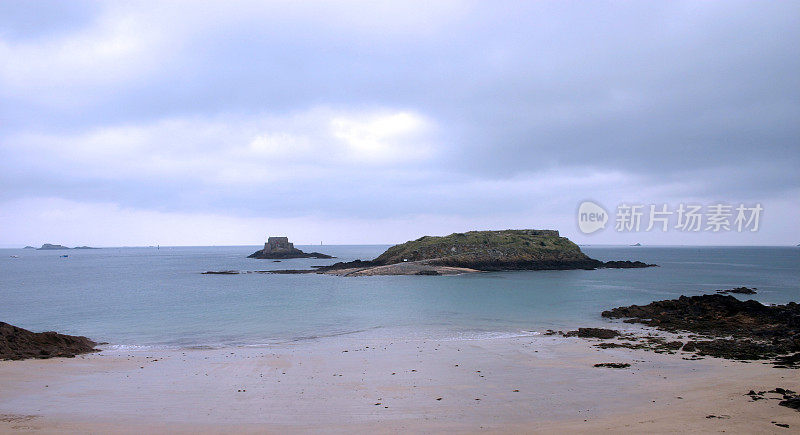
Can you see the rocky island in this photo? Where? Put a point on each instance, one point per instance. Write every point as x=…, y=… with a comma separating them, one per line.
x=476, y=251
x=279, y=248
x=51, y=247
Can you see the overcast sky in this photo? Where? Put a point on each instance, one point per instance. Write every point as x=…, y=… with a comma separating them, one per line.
x=199, y=123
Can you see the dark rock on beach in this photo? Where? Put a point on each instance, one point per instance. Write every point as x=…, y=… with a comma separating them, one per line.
x=789, y=398
x=601, y=333
x=740, y=349
x=279, y=248
x=788, y=361
x=613, y=365
x=736, y=329
x=655, y=344
x=17, y=343
x=792, y=402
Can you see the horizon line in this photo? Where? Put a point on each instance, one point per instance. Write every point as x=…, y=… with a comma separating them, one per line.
x=392, y=244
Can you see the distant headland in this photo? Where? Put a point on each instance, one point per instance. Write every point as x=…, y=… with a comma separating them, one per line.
x=279, y=248
x=52, y=247
x=476, y=251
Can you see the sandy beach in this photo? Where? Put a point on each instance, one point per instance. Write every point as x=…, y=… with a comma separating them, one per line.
x=342, y=384
x=423, y=217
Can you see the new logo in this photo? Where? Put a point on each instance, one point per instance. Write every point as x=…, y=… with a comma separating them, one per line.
x=591, y=217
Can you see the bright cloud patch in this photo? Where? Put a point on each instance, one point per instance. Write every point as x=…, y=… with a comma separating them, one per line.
x=384, y=138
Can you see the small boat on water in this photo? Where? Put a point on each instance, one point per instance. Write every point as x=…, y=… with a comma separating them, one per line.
x=15, y=256
x=64, y=256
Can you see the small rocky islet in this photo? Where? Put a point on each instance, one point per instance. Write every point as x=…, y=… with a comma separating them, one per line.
x=738, y=290
x=279, y=248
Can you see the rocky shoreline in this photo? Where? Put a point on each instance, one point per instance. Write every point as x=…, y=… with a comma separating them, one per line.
x=714, y=325
x=17, y=344
x=421, y=268
x=366, y=268
x=435, y=267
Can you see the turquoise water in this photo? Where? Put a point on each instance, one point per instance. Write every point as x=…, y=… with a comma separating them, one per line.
x=158, y=297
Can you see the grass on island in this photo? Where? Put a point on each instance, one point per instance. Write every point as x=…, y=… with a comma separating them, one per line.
x=516, y=244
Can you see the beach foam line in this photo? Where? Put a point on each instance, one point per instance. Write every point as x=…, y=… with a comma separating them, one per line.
x=330, y=335
x=488, y=335
x=133, y=347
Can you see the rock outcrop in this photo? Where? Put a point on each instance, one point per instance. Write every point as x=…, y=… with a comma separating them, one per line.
x=613, y=365
x=625, y=264
x=738, y=290
x=281, y=248
x=17, y=343
x=730, y=328
x=601, y=333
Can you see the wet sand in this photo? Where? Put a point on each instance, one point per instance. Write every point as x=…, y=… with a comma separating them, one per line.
x=345, y=384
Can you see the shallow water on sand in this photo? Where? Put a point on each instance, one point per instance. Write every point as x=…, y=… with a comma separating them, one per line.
x=158, y=297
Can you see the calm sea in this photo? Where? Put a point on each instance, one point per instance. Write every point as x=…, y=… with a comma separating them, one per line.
x=158, y=297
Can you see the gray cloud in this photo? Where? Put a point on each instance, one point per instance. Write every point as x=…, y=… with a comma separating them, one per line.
x=675, y=100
